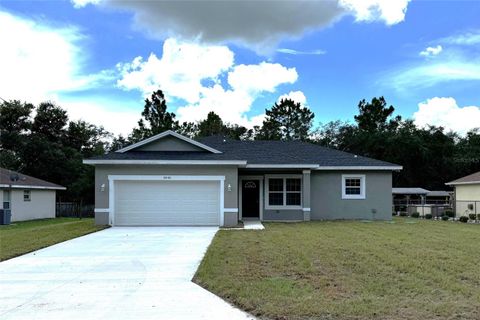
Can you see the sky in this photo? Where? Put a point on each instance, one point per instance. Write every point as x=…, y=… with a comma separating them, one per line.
x=99, y=59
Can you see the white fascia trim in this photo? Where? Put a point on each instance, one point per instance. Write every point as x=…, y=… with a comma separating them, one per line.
x=102, y=210
x=234, y=210
x=306, y=209
x=168, y=133
x=166, y=162
x=359, y=168
x=461, y=183
x=165, y=178
x=279, y=166
x=17, y=186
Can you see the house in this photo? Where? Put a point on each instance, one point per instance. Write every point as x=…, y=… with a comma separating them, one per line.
x=28, y=198
x=169, y=179
x=467, y=194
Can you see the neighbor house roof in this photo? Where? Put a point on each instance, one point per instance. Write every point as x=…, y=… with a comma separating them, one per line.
x=409, y=191
x=17, y=180
x=252, y=154
x=438, y=193
x=474, y=178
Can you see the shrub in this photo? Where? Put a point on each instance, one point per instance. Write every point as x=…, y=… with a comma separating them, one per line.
x=428, y=216
x=472, y=216
x=394, y=213
x=415, y=215
x=463, y=219
x=403, y=213
x=445, y=218
x=449, y=213
x=478, y=216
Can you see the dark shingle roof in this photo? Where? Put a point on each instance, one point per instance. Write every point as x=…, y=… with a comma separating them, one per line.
x=20, y=180
x=473, y=178
x=256, y=152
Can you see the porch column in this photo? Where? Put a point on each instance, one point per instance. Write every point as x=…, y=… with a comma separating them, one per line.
x=306, y=195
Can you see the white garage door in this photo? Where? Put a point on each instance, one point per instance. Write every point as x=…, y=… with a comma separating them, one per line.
x=156, y=203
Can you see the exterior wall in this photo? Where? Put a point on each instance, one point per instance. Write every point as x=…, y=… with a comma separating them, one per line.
x=169, y=144
x=327, y=202
x=465, y=195
x=41, y=205
x=283, y=215
x=230, y=173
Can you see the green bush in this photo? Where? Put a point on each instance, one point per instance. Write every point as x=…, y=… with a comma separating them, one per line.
x=478, y=216
x=415, y=215
x=445, y=218
x=449, y=213
x=394, y=214
x=403, y=213
x=428, y=216
x=463, y=219
x=472, y=216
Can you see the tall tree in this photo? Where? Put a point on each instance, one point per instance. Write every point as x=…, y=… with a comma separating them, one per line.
x=373, y=115
x=212, y=125
x=155, y=118
x=50, y=121
x=287, y=120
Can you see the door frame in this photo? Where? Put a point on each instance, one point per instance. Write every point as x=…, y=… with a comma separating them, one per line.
x=113, y=178
x=240, y=199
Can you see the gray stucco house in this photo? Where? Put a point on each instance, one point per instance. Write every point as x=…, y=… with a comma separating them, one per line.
x=169, y=179
x=27, y=197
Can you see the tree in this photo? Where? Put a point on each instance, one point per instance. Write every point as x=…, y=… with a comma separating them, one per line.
x=373, y=115
x=211, y=126
x=155, y=118
x=287, y=120
x=50, y=121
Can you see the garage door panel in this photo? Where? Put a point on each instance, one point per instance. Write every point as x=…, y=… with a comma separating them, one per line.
x=167, y=203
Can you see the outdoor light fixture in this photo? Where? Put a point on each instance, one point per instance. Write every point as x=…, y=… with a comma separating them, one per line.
x=229, y=187
x=102, y=187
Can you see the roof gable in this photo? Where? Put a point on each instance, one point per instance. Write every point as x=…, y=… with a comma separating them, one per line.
x=474, y=178
x=168, y=141
x=13, y=179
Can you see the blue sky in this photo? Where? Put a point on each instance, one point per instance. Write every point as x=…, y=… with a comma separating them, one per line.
x=99, y=59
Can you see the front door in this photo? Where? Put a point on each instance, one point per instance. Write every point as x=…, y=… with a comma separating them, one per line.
x=251, y=198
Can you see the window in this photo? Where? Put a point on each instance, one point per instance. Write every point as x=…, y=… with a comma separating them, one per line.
x=26, y=195
x=353, y=186
x=284, y=192
x=6, y=199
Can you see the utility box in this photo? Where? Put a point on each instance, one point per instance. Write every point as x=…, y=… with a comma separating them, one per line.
x=5, y=216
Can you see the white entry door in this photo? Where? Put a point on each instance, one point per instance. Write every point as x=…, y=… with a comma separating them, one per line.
x=162, y=203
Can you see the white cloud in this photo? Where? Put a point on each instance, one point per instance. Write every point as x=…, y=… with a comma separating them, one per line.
x=38, y=61
x=179, y=72
x=464, y=39
x=203, y=78
x=299, y=52
x=114, y=117
x=445, y=112
x=297, y=96
x=431, y=51
x=259, y=25
x=389, y=11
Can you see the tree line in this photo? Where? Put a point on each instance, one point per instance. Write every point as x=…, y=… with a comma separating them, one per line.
x=41, y=140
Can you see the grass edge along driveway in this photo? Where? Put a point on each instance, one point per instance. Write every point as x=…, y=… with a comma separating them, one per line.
x=23, y=237
x=405, y=269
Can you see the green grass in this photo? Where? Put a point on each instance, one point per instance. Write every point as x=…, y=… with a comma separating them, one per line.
x=405, y=269
x=23, y=237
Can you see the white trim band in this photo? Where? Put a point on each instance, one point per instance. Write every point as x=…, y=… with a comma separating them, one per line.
x=101, y=210
x=168, y=162
x=233, y=210
x=461, y=183
x=306, y=209
x=339, y=168
x=18, y=186
x=280, y=166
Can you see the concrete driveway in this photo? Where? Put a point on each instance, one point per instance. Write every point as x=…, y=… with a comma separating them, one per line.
x=118, y=273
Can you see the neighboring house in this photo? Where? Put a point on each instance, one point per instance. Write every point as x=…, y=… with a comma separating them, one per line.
x=169, y=179
x=27, y=197
x=467, y=194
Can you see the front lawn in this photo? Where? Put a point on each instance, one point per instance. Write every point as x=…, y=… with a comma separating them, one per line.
x=23, y=237
x=406, y=269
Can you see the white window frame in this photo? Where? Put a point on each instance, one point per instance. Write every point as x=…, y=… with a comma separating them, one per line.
x=362, y=194
x=7, y=200
x=284, y=177
x=29, y=193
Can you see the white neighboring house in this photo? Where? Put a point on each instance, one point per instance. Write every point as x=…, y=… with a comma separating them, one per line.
x=27, y=197
x=467, y=194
